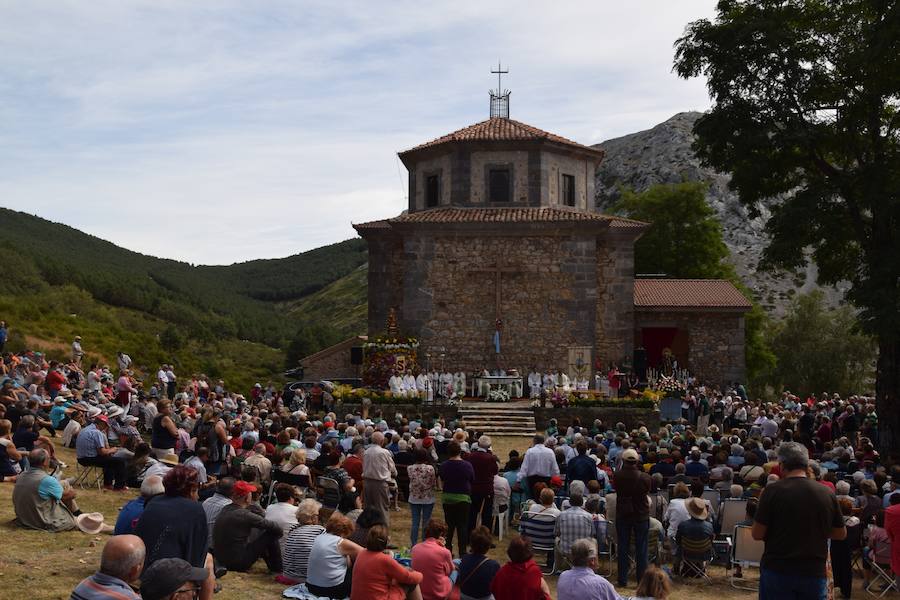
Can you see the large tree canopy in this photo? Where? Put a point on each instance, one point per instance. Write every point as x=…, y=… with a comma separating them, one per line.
x=806, y=97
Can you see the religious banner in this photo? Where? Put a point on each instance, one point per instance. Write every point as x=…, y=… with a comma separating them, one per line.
x=579, y=367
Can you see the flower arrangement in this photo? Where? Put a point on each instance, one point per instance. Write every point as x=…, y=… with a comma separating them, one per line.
x=670, y=386
x=559, y=398
x=498, y=395
x=386, y=354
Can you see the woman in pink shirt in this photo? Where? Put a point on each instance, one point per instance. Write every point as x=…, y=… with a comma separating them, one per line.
x=434, y=561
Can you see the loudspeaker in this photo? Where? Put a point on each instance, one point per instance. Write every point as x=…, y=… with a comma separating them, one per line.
x=640, y=363
x=356, y=355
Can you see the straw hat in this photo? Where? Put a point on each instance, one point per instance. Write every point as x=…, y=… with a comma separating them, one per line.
x=697, y=508
x=170, y=459
x=92, y=523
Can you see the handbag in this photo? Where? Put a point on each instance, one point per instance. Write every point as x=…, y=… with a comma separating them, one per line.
x=457, y=587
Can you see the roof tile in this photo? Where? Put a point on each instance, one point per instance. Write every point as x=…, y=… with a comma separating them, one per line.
x=502, y=129
x=543, y=214
x=688, y=293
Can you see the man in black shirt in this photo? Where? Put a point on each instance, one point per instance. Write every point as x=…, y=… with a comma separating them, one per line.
x=241, y=536
x=796, y=517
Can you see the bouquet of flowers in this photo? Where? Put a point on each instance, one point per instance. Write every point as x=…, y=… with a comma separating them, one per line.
x=559, y=399
x=671, y=386
x=498, y=395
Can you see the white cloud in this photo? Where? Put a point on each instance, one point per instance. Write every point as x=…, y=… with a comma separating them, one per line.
x=223, y=131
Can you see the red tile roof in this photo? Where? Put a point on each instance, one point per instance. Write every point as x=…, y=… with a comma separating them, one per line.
x=501, y=129
x=688, y=293
x=543, y=214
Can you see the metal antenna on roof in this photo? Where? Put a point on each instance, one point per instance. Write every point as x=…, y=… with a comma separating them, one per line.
x=500, y=98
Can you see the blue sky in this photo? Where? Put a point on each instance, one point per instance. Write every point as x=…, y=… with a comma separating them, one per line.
x=222, y=131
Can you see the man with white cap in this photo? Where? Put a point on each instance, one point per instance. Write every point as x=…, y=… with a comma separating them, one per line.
x=632, y=514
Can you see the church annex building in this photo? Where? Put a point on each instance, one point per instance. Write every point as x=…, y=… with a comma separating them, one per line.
x=502, y=248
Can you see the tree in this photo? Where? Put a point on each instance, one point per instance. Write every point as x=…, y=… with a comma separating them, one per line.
x=822, y=350
x=806, y=97
x=684, y=239
x=171, y=339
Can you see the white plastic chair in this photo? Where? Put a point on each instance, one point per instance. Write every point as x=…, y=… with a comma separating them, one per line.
x=746, y=552
x=502, y=520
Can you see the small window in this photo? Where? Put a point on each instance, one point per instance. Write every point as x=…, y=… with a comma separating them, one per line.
x=432, y=191
x=498, y=185
x=567, y=193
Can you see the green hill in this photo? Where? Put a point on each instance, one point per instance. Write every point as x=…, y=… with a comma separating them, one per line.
x=222, y=320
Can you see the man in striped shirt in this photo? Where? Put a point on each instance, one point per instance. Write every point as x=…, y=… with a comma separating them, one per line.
x=121, y=562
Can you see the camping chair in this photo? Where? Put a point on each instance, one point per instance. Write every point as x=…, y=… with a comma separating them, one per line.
x=694, y=554
x=732, y=512
x=604, y=543
x=713, y=497
x=746, y=552
x=279, y=476
x=656, y=506
x=883, y=574
x=542, y=533
x=88, y=476
x=329, y=491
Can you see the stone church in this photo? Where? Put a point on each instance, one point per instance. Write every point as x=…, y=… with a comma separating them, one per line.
x=501, y=248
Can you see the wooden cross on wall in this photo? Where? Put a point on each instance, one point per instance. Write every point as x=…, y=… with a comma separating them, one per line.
x=497, y=270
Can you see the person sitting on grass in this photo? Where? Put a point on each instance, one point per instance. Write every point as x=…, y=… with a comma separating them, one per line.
x=432, y=558
x=299, y=541
x=521, y=577
x=172, y=579
x=42, y=501
x=377, y=576
x=131, y=512
x=121, y=564
x=654, y=585
x=242, y=536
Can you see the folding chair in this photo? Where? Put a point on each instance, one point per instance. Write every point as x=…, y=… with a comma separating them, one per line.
x=542, y=533
x=732, y=512
x=883, y=574
x=745, y=552
x=712, y=496
x=604, y=543
x=694, y=554
x=329, y=491
x=279, y=476
x=88, y=476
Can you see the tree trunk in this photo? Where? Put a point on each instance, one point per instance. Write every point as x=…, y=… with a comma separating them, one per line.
x=887, y=392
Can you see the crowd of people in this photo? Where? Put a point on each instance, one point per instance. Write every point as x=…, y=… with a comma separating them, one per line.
x=228, y=481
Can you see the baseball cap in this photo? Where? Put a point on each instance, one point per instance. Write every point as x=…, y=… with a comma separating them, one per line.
x=630, y=455
x=166, y=575
x=242, y=488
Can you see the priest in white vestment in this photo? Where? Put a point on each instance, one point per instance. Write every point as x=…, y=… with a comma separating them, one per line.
x=534, y=383
x=396, y=384
x=409, y=384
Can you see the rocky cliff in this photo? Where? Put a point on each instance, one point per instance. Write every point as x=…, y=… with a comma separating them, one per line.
x=663, y=154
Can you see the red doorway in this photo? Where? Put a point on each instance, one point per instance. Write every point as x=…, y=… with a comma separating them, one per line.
x=657, y=339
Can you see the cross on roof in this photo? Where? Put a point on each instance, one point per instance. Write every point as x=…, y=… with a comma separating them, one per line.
x=497, y=269
x=500, y=72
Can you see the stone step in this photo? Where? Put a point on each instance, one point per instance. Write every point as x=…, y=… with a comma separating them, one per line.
x=499, y=417
x=497, y=412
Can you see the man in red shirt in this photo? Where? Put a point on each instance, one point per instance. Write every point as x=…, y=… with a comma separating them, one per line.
x=55, y=379
x=484, y=463
x=353, y=463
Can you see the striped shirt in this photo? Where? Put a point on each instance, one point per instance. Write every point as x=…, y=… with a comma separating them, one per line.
x=101, y=586
x=212, y=506
x=296, y=550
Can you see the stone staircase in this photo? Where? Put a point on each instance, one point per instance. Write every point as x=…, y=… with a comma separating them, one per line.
x=499, y=418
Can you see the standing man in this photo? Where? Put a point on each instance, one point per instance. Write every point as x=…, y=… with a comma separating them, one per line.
x=378, y=470
x=632, y=514
x=484, y=463
x=163, y=380
x=170, y=382
x=796, y=517
x=77, y=352
x=4, y=335
x=539, y=464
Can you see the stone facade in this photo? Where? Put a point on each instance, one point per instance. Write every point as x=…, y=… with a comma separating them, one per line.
x=631, y=417
x=333, y=362
x=553, y=293
x=715, y=341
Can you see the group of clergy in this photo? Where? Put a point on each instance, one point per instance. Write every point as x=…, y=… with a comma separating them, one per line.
x=428, y=385
x=548, y=383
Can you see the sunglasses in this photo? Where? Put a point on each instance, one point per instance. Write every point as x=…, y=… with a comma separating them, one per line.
x=193, y=591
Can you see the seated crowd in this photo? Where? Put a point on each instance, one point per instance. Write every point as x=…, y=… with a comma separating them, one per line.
x=227, y=482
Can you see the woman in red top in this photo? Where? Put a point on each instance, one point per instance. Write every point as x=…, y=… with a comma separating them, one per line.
x=521, y=577
x=377, y=576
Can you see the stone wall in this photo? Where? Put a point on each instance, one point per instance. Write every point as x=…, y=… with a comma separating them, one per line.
x=715, y=342
x=332, y=363
x=385, y=278
x=610, y=416
x=440, y=166
x=389, y=410
x=615, y=306
x=547, y=305
x=554, y=165
x=516, y=160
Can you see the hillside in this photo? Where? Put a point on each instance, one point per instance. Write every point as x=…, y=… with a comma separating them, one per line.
x=59, y=281
x=663, y=154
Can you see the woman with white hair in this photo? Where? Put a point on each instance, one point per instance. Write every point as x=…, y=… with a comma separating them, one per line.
x=296, y=465
x=299, y=542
